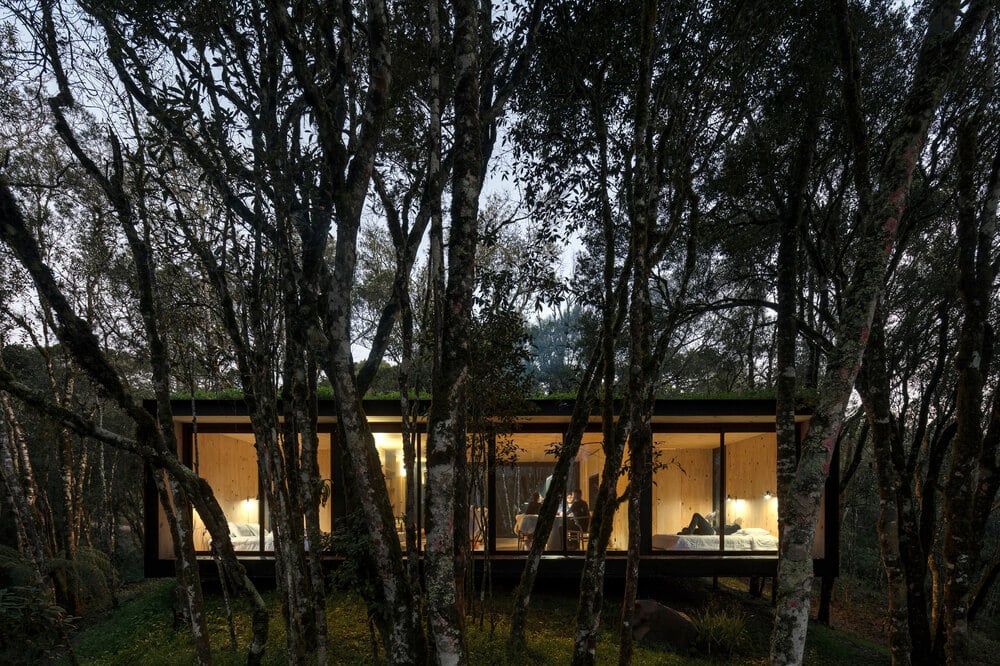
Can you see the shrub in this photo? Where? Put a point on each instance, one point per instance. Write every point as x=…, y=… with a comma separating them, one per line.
x=14, y=569
x=32, y=628
x=722, y=631
x=87, y=580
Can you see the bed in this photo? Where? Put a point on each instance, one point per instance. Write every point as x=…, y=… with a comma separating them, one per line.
x=747, y=539
x=246, y=536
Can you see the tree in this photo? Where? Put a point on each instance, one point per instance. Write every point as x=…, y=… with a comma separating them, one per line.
x=943, y=49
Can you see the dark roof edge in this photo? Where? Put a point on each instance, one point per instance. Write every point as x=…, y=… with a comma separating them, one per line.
x=545, y=407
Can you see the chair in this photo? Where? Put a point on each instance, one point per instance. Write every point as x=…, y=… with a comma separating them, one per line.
x=578, y=532
x=524, y=527
x=477, y=526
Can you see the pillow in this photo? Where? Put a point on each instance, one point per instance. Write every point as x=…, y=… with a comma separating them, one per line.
x=241, y=530
x=754, y=531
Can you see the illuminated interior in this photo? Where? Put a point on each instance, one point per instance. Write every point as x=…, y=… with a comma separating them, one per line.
x=524, y=468
x=228, y=461
x=695, y=499
x=390, y=452
x=731, y=475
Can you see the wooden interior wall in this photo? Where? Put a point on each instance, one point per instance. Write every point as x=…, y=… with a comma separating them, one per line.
x=619, y=533
x=323, y=453
x=683, y=486
x=590, y=461
x=395, y=482
x=751, y=471
x=230, y=467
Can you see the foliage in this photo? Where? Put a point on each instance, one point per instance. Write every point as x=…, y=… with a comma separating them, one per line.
x=142, y=630
x=32, y=628
x=90, y=577
x=350, y=540
x=722, y=631
x=231, y=393
x=14, y=569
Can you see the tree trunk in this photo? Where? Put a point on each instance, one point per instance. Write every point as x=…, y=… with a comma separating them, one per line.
x=447, y=520
x=516, y=642
x=588, y=614
x=29, y=540
x=976, y=276
x=786, y=327
x=876, y=402
x=644, y=211
x=942, y=52
x=176, y=508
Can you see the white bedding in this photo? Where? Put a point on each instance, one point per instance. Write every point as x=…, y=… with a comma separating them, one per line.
x=738, y=541
x=246, y=537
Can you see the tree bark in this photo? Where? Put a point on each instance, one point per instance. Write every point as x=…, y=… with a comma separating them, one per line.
x=447, y=520
x=516, y=642
x=29, y=539
x=644, y=207
x=976, y=276
x=943, y=50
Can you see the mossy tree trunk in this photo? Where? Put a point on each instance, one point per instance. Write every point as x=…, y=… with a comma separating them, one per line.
x=447, y=515
x=942, y=51
x=972, y=479
x=17, y=477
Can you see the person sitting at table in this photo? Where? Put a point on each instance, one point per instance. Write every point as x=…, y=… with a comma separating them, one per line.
x=578, y=514
x=703, y=525
x=577, y=505
x=534, y=505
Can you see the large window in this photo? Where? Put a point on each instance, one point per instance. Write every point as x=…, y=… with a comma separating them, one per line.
x=525, y=464
x=390, y=452
x=751, y=478
x=715, y=492
x=711, y=492
x=228, y=461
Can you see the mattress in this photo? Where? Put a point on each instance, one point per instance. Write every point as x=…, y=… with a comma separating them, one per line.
x=737, y=541
x=246, y=536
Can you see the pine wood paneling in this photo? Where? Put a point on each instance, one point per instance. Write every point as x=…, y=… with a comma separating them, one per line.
x=751, y=471
x=682, y=487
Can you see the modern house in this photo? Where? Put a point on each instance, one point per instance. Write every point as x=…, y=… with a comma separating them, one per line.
x=709, y=456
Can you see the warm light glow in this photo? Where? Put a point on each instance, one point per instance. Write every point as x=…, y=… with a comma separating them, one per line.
x=249, y=510
x=402, y=469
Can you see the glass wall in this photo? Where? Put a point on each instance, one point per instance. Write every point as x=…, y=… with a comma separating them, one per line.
x=715, y=492
x=701, y=481
x=685, y=488
x=525, y=463
x=751, y=477
x=390, y=452
x=228, y=461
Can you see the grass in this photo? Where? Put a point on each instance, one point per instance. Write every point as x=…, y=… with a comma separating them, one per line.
x=142, y=630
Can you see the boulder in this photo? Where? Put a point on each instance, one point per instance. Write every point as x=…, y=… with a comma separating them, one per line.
x=657, y=623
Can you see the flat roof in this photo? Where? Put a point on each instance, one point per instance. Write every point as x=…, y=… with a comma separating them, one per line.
x=546, y=411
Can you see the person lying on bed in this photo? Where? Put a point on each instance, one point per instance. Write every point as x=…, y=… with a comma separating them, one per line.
x=706, y=525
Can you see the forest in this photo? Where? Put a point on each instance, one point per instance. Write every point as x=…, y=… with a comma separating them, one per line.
x=473, y=204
